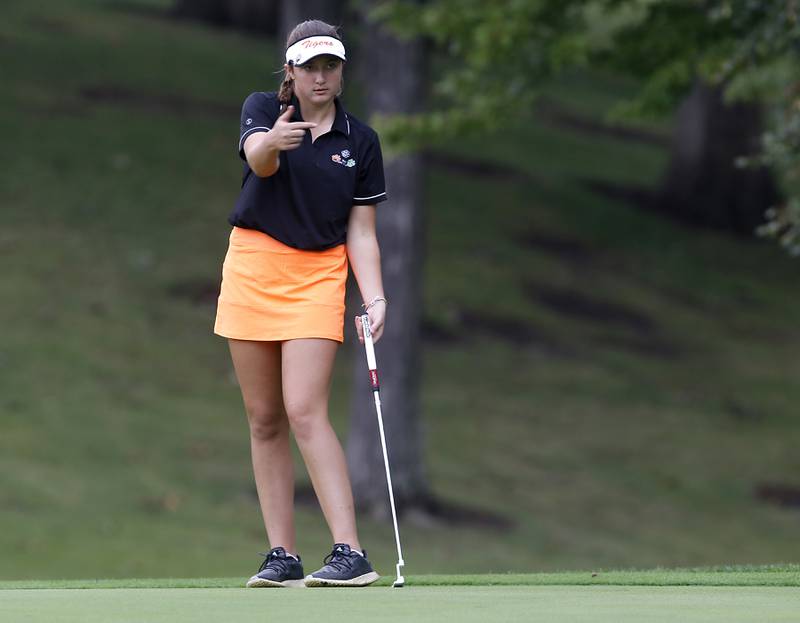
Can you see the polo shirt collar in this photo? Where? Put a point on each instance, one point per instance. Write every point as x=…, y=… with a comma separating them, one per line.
x=340, y=121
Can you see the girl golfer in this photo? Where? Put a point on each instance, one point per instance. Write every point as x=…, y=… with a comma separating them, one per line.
x=313, y=175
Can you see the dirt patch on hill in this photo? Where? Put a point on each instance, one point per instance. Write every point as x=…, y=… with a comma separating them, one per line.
x=563, y=247
x=470, y=324
x=550, y=111
x=171, y=103
x=50, y=25
x=469, y=167
x=638, y=196
x=576, y=304
x=424, y=510
x=196, y=291
x=631, y=329
x=779, y=494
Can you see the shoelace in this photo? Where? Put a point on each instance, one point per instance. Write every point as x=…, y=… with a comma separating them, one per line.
x=338, y=560
x=273, y=561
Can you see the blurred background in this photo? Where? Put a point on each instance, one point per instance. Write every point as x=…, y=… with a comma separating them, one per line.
x=591, y=356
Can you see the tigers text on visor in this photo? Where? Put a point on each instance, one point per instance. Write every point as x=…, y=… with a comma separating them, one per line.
x=306, y=49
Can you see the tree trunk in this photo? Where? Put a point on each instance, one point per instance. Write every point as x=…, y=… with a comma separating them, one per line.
x=210, y=11
x=293, y=12
x=393, y=82
x=702, y=184
x=257, y=16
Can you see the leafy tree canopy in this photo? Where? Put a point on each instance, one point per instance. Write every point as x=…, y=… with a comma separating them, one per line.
x=487, y=54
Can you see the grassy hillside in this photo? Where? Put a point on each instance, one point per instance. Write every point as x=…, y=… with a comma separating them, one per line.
x=617, y=386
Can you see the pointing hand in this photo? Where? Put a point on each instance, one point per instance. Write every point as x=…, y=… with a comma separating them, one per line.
x=288, y=134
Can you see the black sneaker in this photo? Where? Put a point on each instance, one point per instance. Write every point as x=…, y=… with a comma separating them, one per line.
x=278, y=569
x=343, y=567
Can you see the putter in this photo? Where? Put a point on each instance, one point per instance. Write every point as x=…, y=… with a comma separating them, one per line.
x=373, y=377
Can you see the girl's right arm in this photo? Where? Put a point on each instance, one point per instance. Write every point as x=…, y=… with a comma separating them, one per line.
x=263, y=157
x=262, y=149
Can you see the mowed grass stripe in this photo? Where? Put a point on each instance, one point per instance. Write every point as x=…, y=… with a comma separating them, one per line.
x=533, y=604
x=772, y=575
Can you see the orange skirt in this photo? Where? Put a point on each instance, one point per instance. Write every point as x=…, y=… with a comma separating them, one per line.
x=271, y=291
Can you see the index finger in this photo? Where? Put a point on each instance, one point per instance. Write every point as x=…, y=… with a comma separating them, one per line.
x=359, y=329
x=302, y=124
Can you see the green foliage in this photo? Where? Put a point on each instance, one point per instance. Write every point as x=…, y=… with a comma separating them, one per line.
x=497, y=56
x=750, y=47
x=491, y=58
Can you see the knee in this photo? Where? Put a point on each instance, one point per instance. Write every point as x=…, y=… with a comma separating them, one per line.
x=267, y=422
x=304, y=417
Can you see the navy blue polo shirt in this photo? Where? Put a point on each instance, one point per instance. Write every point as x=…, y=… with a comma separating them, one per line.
x=306, y=203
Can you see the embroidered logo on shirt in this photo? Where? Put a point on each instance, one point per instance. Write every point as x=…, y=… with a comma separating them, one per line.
x=248, y=122
x=343, y=158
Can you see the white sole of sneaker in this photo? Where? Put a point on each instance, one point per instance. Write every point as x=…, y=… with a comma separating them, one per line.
x=362, y=580
x=262, y=583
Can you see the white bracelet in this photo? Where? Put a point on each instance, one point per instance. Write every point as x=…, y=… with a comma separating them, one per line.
x=366, y=306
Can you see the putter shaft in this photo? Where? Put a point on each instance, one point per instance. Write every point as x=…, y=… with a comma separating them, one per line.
x=373, y=375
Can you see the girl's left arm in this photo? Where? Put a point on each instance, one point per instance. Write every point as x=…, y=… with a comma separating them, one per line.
x=365, y=259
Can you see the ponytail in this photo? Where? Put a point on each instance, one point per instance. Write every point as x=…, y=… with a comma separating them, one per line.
x=285, y=92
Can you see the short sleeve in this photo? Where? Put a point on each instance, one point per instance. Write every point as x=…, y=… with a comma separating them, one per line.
x=259, y=112
x=370, y=184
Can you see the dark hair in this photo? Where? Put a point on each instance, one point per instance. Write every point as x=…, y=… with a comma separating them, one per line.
x=309, y=28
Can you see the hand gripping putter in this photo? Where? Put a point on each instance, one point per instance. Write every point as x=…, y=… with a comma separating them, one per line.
x=373, y=377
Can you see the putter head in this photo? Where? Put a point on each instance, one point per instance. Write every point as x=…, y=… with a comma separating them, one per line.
x=400, y=581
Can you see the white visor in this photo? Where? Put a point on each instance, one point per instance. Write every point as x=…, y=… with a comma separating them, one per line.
x=306, y=49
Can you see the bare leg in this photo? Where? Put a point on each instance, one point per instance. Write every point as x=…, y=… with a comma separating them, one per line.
x=258, y=369
x=307, y=368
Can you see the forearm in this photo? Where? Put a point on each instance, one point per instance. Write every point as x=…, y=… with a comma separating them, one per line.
x=263, y=156
x=365, y=260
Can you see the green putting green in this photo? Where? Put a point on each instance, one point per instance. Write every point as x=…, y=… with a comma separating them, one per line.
x=595, y=604
x=734, y=575
x=744, y=593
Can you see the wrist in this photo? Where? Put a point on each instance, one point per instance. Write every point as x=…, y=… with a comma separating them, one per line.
x=374, y=301
x=270, y=142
